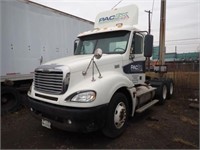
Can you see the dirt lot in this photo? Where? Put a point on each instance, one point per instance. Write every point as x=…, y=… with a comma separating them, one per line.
x=172, y=126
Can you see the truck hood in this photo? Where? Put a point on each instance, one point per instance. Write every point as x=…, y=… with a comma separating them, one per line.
x=80, y=62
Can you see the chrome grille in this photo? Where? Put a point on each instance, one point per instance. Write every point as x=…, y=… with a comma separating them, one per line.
x=49, y=81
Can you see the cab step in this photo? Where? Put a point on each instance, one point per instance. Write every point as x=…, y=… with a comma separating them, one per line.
x=148, y=105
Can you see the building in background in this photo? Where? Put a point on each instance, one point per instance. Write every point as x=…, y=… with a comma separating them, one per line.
x=177, y=57
x=186, y=62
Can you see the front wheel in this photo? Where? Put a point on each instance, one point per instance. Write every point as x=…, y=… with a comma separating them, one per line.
x=117, y=117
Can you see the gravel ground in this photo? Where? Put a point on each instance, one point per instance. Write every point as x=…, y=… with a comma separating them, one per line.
x=171, y=126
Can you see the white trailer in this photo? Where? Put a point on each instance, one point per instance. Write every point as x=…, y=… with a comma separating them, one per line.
x=32, y=34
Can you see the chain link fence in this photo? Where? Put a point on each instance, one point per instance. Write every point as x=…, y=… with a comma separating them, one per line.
x=185, y=76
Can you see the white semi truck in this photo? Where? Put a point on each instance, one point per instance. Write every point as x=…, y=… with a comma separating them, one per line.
x=31, y=34
x=103, y=83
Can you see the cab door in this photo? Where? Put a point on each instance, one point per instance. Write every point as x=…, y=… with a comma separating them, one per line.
x=134, y=67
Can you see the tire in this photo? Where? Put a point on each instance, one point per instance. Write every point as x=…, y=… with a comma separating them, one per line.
x=161, y=93
x=117, y=116
x=170, y=88
x=10, y=100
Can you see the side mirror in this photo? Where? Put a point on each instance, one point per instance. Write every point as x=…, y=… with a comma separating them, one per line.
x=148, y=45
x=76, y=45
x=98, y=53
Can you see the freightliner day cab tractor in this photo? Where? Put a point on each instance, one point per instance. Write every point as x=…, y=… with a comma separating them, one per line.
x=104, y=83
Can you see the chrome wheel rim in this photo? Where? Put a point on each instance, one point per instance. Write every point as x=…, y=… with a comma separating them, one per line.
x=171, y=89
x=164, y=92
x=120, y=115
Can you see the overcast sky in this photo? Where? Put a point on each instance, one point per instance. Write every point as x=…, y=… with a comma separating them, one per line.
x=182, y=18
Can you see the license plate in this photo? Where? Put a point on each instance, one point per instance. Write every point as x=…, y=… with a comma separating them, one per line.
x=46, y=123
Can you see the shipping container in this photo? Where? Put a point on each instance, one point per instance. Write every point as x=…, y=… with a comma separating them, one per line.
x=32, y=34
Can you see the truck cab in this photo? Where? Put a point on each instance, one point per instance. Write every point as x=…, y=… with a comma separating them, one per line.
x=103, y=83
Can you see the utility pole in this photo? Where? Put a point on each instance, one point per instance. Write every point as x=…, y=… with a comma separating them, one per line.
x=149, y=19
x=162, y=68
x=162, y=32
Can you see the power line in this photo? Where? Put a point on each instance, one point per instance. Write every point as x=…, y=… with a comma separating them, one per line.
x=152, y=11
x=183, y=39
x=184, y=44
x=176, y=40
x=117, y=4
x=150, y=14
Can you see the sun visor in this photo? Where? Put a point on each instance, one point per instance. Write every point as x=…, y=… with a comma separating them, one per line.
x=127, y=15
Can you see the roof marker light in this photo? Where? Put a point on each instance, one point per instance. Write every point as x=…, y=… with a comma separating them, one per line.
x=119, y=25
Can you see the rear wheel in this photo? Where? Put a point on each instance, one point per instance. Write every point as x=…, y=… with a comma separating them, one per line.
x=10, y=100
x=170, y=88
x=117, y=117
x=161, y=93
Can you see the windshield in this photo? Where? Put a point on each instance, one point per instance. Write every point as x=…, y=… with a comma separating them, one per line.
x=110, y=43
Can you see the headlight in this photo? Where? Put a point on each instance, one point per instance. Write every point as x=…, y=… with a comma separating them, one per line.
x=83, y=97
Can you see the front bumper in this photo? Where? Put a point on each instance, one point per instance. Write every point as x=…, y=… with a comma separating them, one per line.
x=68, y=118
